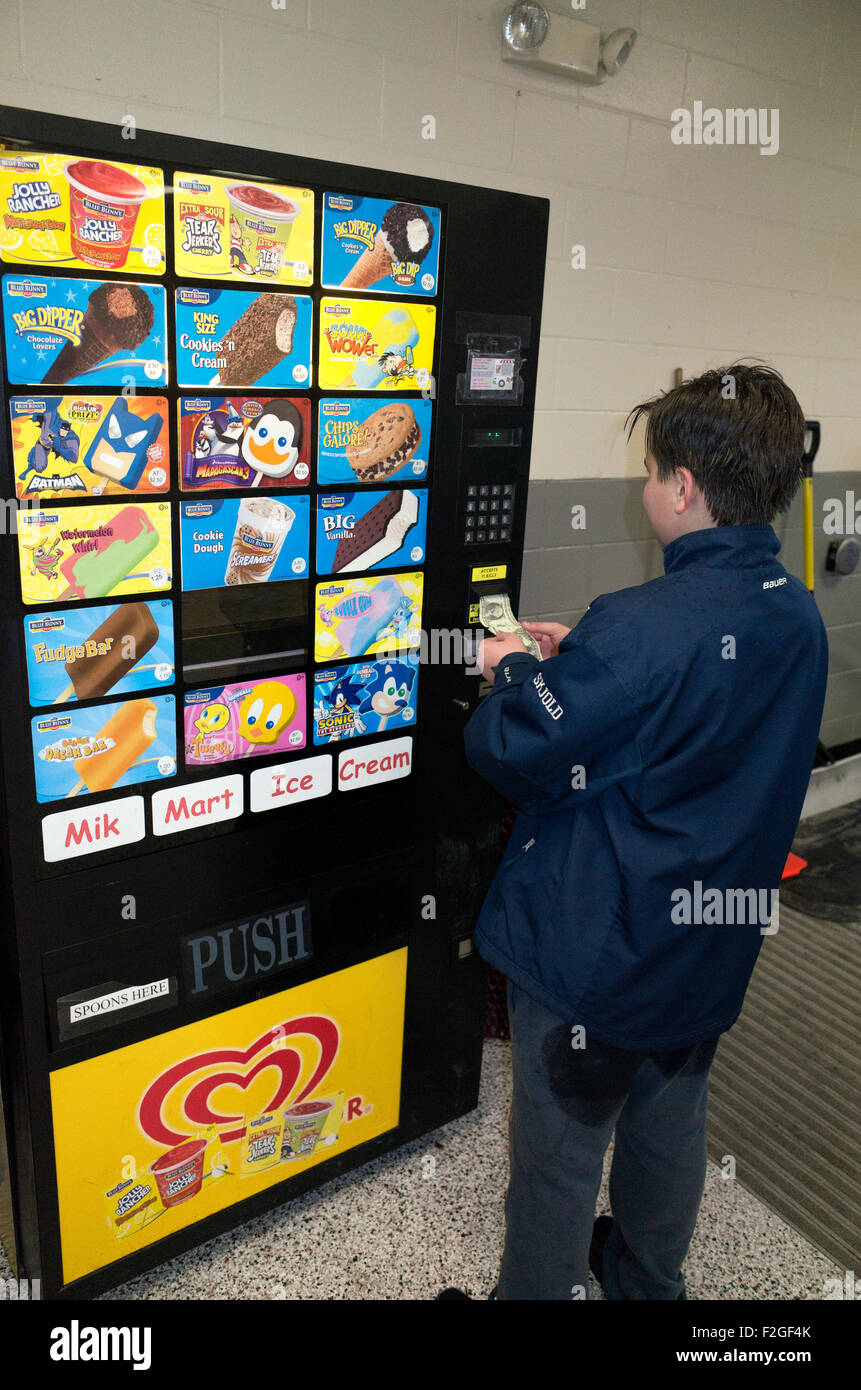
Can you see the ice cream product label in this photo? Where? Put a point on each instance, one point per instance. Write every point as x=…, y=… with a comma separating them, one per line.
x=91, y=552
x=244, y=441
x=372, y=616
x=240, y=230
x=374, y=345
x=92, y=829
x=228, y=722
x=372, y=244
x=84, y=332
x=233, y=338
x=361, y=440
x=360, y=531
x=367, y=697
x=86, y=653
x=112, y=745
x=87, y=445
x=69, y=210
x=283, y=1083
x=249, y=540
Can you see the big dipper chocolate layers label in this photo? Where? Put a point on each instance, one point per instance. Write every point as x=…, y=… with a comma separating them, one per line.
x=85, y=653
x=374, y=345
x=68, y=210
x=244, y=441
x=69, y=553
x=359, y=531
x=89, y=446
x=247, y=540
x=371, y=244
x=153, y=1137
x=84, y=332
x=238, y=338
x=364, y=441
x=241, y=230
x=79, y=751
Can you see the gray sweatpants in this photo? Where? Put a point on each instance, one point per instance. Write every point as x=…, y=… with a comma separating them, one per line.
x=567, y=1102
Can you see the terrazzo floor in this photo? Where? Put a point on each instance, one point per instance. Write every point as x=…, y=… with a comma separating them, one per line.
x=429, y=1216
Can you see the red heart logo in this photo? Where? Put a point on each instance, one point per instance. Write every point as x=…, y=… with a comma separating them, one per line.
x=196, y=1106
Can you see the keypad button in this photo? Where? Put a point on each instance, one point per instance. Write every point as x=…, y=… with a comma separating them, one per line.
x=472, y=491
x=484, y=490
x=505, y=533
x=481, y=536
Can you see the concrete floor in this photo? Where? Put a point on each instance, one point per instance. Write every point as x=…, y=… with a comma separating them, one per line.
x=430, y=1215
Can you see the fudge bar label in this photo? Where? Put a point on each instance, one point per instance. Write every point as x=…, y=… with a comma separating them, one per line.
x=376, y=762
x=252, y=947
x=200, y=803
x=67, y=834
x=284, y=784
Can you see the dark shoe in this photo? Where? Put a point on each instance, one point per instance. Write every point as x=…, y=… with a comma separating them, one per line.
x=452, y=1293
x=600, y=1235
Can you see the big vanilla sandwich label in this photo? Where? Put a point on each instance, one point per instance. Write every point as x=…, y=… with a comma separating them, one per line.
x=71, y=211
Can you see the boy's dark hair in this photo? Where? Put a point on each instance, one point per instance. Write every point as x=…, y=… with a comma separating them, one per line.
x=740, y=431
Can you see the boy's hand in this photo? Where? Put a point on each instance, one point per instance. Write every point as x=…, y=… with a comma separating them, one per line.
x=493, y=649
x=548, y=636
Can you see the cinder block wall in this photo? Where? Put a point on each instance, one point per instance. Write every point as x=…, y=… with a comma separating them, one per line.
x=695, y=255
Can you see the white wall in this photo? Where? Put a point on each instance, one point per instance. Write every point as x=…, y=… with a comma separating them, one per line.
x=694, y=254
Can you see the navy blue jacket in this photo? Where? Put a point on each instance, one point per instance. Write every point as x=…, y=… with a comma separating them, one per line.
x=663, y=754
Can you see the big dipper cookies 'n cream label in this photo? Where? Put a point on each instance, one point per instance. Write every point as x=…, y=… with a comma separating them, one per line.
x=244, y=441
x=239, y=229
x=89, y=445
x=374, y=345
x=59, y=209
x=372, y=244
x=234, y=338
x=164, y=1132
x=244, y=540
x=84, y=332
x=361, y=441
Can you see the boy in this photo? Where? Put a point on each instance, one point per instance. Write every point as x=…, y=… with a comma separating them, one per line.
x=659, y=756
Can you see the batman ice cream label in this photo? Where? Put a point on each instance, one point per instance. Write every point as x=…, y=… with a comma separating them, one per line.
x=89, y=446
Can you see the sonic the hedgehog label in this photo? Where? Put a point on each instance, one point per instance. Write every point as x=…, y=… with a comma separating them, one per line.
x=369, y=697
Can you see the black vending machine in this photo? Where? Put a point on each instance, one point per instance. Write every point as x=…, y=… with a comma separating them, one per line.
x=266, y=434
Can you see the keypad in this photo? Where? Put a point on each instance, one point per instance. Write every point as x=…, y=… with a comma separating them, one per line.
x=489, y=513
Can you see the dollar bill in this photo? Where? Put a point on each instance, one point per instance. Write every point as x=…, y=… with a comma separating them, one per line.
x=494, y=612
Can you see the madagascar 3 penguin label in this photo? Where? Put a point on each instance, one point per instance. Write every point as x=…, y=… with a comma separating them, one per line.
x=89, y=446
x=369, y=697
x=244, y=441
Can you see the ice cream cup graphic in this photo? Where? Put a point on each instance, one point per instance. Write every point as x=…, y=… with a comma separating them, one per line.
x=262, y=525
x=303, y=1125
x=260, y=212
x=104, y=201
x=179, y=1172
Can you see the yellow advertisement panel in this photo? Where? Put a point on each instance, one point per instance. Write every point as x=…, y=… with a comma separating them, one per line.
x=374, y=345
x=60, y=209
x=238, y=230
x=155, y=1136
x=68, y=553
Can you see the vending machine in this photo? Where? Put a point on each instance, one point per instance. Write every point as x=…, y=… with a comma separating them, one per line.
x=266, y=434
